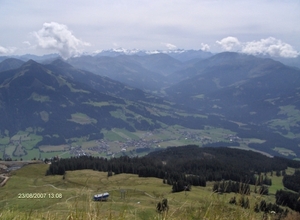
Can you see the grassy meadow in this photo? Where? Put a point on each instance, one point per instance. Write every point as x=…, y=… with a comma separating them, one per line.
x=70, y=197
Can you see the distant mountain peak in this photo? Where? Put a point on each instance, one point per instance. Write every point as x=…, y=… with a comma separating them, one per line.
x=33, y=66
x=61, y=63
x=179, y=54
x=136, y=51
x=10, y=63
x=30, y=62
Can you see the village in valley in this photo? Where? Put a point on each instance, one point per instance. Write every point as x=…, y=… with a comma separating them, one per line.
x=146, y=144
x=115, y=143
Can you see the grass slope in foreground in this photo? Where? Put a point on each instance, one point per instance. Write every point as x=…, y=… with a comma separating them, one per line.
x=70, y=197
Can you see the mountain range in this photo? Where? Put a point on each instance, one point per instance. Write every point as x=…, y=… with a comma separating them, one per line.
x=254, y=99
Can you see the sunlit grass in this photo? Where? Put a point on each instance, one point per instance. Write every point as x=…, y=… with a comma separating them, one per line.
x=139, y=201
x=81, y=118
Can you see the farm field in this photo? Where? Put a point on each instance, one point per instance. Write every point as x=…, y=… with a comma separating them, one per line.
x=71, y=195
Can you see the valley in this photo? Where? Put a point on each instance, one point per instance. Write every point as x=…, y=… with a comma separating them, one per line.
x=135, y=104
x=118, y=142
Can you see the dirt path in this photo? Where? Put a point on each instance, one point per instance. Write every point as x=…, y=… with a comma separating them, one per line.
x=4, y=181
x=71, y=198
x=147, y=194
x=49, y=185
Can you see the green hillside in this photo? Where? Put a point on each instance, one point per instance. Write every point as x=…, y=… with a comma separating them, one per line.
x=260, y=95
x=70, y=197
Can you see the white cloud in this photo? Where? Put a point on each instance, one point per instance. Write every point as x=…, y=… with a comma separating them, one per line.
x=58, y=37
x=205, y=47
x=170, y=46
x=27, y=43
x=145, y=24
x=229, y=43
x=270, y=46
x=7, y=50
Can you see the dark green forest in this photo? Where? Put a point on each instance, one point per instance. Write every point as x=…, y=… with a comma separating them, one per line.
x=292, y=182
x=184, y=166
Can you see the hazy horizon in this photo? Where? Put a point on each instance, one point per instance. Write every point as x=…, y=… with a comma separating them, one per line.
x=70, y=28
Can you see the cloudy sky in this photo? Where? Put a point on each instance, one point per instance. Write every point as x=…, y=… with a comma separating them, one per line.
x=70, y=27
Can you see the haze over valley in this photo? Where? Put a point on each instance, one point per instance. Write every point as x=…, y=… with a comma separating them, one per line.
x=130, y=103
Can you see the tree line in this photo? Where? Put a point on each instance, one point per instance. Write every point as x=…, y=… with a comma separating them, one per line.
x=181, y=167
x=292, y=182
x=289, y=199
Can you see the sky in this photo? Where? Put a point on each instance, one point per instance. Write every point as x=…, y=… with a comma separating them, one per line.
x=73, y=27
